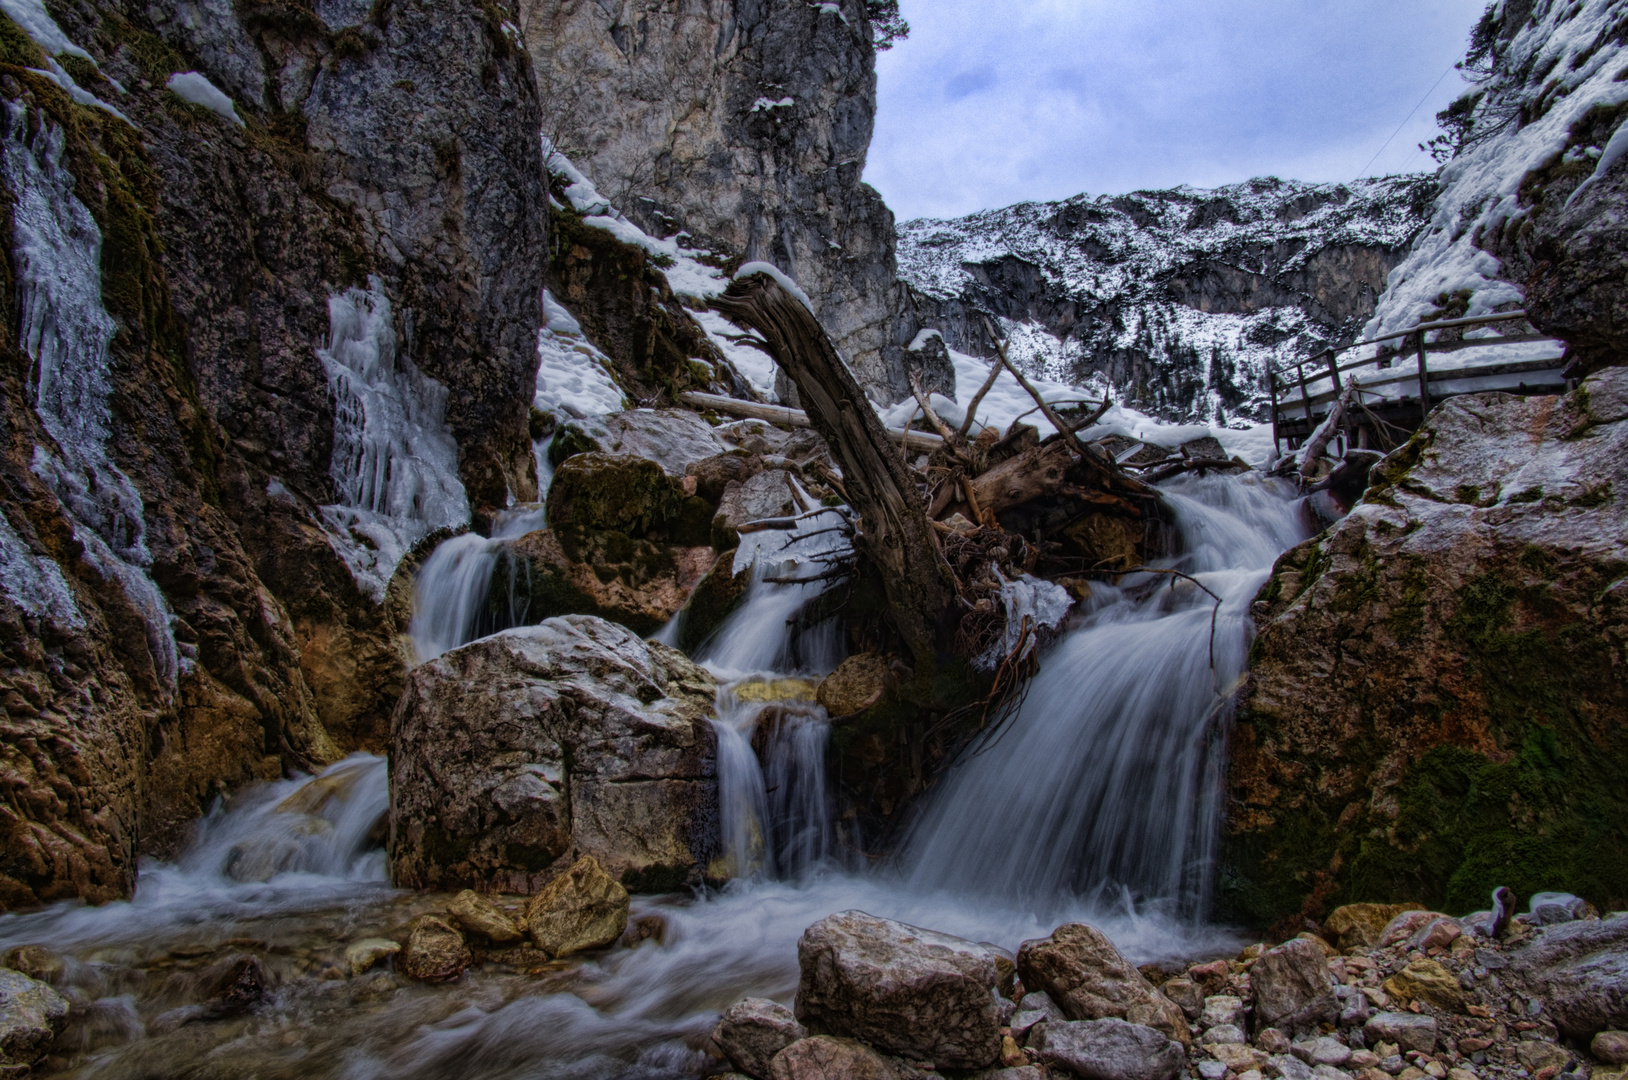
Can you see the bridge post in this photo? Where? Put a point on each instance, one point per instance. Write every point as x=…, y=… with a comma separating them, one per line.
x=1272, y=388
x=1424, y=379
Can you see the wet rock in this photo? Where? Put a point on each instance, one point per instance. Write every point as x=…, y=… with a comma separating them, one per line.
x=1222, y=1009
x=766, y=495
x=573, y=735
x=435, y=951
x=31, y=1016
x=479, y=915
x=37, y=962
x=1208, y=448
x=1186, y=994
x=1426, y=980
x=858, y=683
x=1110, y=1049
x=1409, y=1031
x=923, y=995
x=1083, y=972
x=360, y=956
x=753, y=1031
x=583, y=908
x=229, y=987
x=610, y=493
x=672, y=438
x=1580, y=971
x=1610, y=1047
x=826, y=1057
x=1292, y=987
x=638, y=582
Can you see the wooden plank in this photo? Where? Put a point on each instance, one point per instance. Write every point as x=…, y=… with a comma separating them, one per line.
x=782, y=416
x=1521, y=367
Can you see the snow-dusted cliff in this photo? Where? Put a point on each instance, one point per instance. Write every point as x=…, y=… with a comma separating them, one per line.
x=1178, y=299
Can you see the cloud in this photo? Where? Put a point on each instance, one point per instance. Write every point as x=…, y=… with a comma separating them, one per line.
x=1049, y=98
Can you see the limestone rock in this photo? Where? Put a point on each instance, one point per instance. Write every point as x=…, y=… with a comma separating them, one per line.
x=573, y=735
x=1410, y=1031
x=858, y=683
x=1186, y=994
x=1292, y=987
x=360, y=956
x=1083, y=972
x=435, y=951
x=1406, y=924
x=673, y=438
x=637, y=582
x=37, y=962
x=1362, y=926
x=583, y=908
x=712, y=475
x=825, y=1057
x=916, y=993
x=753, y=1031
x=1580, y=970
x=765, y=495
x=1110, y=1049
x=31, y=1015
x=1222, y=1009
x=1402, y=651
x=598, y=493
x=1426, y=980
x=479, y=915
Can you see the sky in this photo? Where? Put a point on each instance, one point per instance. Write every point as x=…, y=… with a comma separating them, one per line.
x=986, y=105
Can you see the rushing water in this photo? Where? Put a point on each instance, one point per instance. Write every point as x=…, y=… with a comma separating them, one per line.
x=1099, y=802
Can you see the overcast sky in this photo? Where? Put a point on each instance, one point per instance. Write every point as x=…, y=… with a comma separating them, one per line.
x=988, y=104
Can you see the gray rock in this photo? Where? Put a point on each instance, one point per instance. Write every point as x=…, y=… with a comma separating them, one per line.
x=1580, y=972
x=753, y=1031
x=916, y=993
x=825, y=1057
x=1326, y=1050
x=672, y=438
x=570, y=736
x=1222, y=1009
x=1040, y=1001
x=1083, y=972
x=1022, y=1072
x=1409, y=1031
x=1110, y=1049
x=1292, y=986
x=1287, y=1066
x=1187, y=995
x=1211, y=1070
x=1223, y=1033
x=766, y=495
x=1610, y=1047
x=31, y=1015
x=1553, y=908
x=1328, y=1072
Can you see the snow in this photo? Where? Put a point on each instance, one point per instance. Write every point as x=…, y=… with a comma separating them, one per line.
x=754, y=365
x=193, y=87
x=1612, y=154
x=919, y=342
x=66, y=330
x=764, y=104
x=573, y=376
x=35, y=583
x=32, y=18
x=81, y=96
x=828, y=8
x=781, y=278
x=394, y=463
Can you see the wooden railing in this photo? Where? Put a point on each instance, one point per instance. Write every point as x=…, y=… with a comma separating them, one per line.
x=1284, y=383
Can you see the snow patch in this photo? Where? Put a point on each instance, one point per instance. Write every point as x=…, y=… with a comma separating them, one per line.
x=1042, y=603
x=394, y=463
x=919, y=342
x=32, y=18
x=573, y=376
x=754, y=364
x=780, y=277
x=194, y=87
x=765, y=104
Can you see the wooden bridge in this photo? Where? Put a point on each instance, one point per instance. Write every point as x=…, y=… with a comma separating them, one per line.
x=1392, y=392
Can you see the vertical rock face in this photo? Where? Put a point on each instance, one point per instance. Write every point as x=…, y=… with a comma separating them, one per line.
x=745, y=124
x=253, y=350
x=1437, y=685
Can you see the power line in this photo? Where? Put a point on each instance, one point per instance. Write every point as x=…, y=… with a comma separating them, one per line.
x=1404, y=123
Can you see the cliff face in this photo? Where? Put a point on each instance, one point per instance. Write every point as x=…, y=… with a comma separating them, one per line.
x=745, y=125
x=264, y=332
x=1176, y=299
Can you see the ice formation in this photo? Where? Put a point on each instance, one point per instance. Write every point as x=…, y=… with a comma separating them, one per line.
x=394, y=464
x=35, y=582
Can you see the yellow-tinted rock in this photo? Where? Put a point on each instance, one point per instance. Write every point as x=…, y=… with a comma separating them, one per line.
x=583, y=908
x=477, y=914
x=857, y=684
x=1426, y=980
x=1359, y=926
x=765, y=690
x=435, y=951
x=360, y=956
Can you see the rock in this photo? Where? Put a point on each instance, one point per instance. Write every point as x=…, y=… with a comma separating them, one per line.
x=1292, y=987
x=766, y=495
x=1022, y=1072
x=1222, y=1009
x=1186, y=994
x=1328, y=1072
x=1409, y=1031
x=1110, y=1049
x=1504, y=521
x=1406, y=924
x=1235, y=1056
x=672, y=438
x=479, y=915
x=1426, y=980
x=570, y=736
x=37, y=962
x=1040, y=1001
x=1213, y=1070
x=1223, y=1033
x=1272, y=1041
x=912, y=992
x=825, y=1057
x=1580, y=972
x=229, y=987
x=753, y=1031
x=362, y=955
x=1436, y=934
x=435, y=951
x=713, y=474
x=1610, y=1047
x=1090, y=980
x=1322, y=1051
x=1210, y=977
x=1005, y=972
x=1552, y=908
x=858, y=683
x=583, y=908
x=1537, y=1055
x=594, y=494
x=1207, y=448
x=1287, y=1067
x=1011, y=1055
x=1329, y=951
x=31, y=1015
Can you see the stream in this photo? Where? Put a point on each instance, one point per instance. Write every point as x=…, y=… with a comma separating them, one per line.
x=1099, y=801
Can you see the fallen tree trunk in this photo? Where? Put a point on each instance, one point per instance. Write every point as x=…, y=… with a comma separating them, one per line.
x=785, y=416
x=897, y=535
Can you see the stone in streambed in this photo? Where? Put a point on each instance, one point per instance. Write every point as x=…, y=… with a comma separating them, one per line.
x=753, y=1031
x=583, y=908
x=1110, y=1049
x=360, y=956
x=1187, y=995
x=435, y=951
x=916, y=993
x=858, y=683
x=827, y=1057
x=1222, y=1009
x=1292, y=986
x=1083, y=972
x=1223, y=1033
x=479, y=915
x=31, y=1015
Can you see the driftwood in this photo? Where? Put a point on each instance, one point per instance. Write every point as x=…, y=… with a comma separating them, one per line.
x=897, y=536
x=1318, y=443
x=782, y=416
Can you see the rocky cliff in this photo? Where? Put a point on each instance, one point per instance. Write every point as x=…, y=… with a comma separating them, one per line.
x=270, y=319
x=1176, y=299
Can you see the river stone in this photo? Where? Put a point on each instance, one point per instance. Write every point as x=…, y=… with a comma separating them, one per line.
x=31, y=1015
x=1236, y=1056
x=583, y=908
x=917, y=993
x=1083, y=972
x=858, y=683
x=1292, y=987
x=1223, y=1033
x=1110, y=1049
x=828, y=1057
x=1426, y=980
x=1409, y=1031
x=479, y=915
x=1580, y=971
x=570, y=736
x=37, y=962
x=361, y=955
x=435, y=951
x=1288, y=1067
x=672, y=438
x=753, y=1031
x=1361, y=926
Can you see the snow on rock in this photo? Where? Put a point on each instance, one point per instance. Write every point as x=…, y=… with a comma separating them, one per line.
x=64, y=327
x=57, y=74
x=394, y=463
x=755, y=365
x=193, y=87
x=763, y=104
x=781, y=278
x=32, y=18
x=573, y=377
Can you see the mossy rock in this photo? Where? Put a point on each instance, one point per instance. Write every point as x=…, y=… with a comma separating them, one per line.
x=613, y=493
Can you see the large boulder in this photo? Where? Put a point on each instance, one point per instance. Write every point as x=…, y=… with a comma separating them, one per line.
x=1355, y=926
x=764, y=495
x=1084, y=974
x=1109, y=1049
x=573, y=736
x=753, y=1031
x=1293, y=990
x=672, y=438
x=1426, y=714
x=636, y=582
x=31, y=1015
x=920, y=994
x=1580, y=970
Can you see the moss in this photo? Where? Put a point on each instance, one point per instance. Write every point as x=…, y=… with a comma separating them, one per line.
x=154, y=57
x=1467, y=493
x=17, y=48
x=1530, y=495
x=530, y=857
x=349, y=44
x=655, y=879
